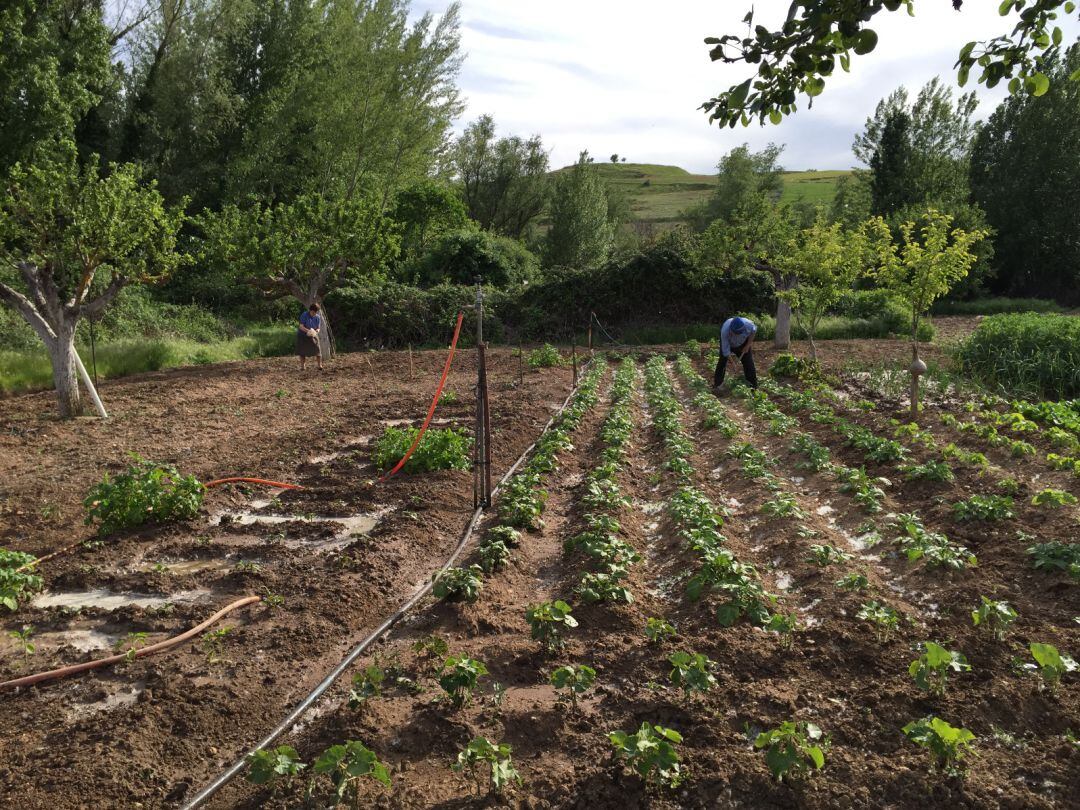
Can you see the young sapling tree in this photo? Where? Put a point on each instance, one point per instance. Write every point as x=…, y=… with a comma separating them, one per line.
x=920, y=270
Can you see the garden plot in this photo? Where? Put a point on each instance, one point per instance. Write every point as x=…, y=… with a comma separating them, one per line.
x=219, y=692
x=752, y=599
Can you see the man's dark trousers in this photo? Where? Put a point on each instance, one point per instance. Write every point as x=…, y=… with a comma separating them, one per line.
x=747, y=364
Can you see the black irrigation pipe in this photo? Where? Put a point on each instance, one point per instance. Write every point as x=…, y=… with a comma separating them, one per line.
x=301, y=708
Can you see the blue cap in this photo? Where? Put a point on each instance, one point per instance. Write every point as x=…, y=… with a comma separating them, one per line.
x=738, y=326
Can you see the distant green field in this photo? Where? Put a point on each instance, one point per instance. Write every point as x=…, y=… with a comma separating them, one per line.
x=659, y=194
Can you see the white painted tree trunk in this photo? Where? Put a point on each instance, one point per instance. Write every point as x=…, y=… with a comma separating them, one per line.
x=324, y=335
x=782, y=338
x=62, y=356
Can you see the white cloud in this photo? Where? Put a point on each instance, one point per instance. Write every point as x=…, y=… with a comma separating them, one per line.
x=624, y=77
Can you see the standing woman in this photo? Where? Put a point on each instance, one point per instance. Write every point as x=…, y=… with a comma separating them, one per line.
x=307, y=336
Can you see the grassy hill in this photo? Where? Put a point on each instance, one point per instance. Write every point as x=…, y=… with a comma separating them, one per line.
x=659, y=194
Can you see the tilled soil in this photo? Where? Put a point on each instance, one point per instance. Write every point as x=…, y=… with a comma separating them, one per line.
x=835, y=674
x=342, y=555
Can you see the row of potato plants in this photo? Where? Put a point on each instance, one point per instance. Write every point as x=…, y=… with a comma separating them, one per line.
x=1050, y=556
x=521, y=504
x=602, y=499
x=931, y=668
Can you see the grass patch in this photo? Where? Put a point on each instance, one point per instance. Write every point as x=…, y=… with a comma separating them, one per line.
x=29, y=369
x=1032, y=354
x=996, y=306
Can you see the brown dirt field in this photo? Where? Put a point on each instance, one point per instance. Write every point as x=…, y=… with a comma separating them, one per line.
x=180, y=718
x=187, y=718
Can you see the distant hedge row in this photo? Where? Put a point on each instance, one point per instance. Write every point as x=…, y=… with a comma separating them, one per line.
x=1030, y=354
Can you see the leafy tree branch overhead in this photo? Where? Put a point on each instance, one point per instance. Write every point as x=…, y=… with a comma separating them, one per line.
x=818, y=35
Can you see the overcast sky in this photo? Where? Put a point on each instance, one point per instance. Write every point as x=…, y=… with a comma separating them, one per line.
x=628, y=77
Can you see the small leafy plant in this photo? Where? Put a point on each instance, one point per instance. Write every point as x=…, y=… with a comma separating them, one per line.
x=651, y=754
x=213, y=643
x=853, y=582
x=497, y=755
x=1053, y=665
x=16, y=584
x=657, y=630
x=931, y=669
x=431, y=650
x=1056, y=556
x=144, y=493
x=993, y=616
x=1053, y=498
x=267, y=765
x=826, y=555
x=691, y=672
x=984, y=507
x=347, y=765
x=793, y=750
x=932, y=470
x=547, y=621
x=459, y=584
x=439, y=449
x=366, y=684
x=947, y=744
x=577, y=680
x=522, y=502
x=546, y=356
x=493, y=555
x=459, y=676
x=22, y=639
x=884, y=619
x=784, y=625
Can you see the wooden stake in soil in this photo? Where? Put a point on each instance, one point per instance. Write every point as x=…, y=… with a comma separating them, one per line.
x=521, y=364
x=374, y=382
x=412, y=371
x=573, y=358
x=591, y=316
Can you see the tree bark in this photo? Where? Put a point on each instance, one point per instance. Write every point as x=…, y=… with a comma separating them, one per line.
x=782, y=336
x=62, y=356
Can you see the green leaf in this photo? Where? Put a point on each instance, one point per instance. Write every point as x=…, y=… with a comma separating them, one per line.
x=1038, y=84
x=868, y=40
x=737, y=97
x=775, y=116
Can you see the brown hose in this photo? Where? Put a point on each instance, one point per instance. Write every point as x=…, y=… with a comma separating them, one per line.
x=218, y=482
x=63, y=672
x=49, y=556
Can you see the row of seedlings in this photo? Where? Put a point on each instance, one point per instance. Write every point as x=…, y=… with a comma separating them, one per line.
x=756, y=465
x=918, y=543
x=602, y=499
x=521, y=505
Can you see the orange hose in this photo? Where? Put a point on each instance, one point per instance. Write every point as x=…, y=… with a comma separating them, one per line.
x=161, y=646
x=49, y=556
x=219, y=481
x=434, y=402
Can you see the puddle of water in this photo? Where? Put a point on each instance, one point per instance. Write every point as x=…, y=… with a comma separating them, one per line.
x=650, y=507
x=442, y=420
x=83, y=640
x=783, y=580
x=797, y=479
x=734, y=503
x=126, y=696
x=824, y=509
x=191, y=566
x=107, y=600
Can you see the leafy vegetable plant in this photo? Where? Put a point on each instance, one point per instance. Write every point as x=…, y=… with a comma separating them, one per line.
x=984, y=507
x=883, y=617
x=853, y=582
x=459, y=676
x=993, y=616
x=826, y=555
x=1056, y=556
x=15, y=584
x=366, y=684
x=793, y=750
x=347, y=765
x=144, y=493
x=651, y=754
x=691, y=672
x=22, y=638
x=657, y=630
x=577, y=680
x=548, y=620
x=439, y=449
x=1054, y=498
x=546, y=356
x=930, y=670
x=266, y=765
x=1053, y=665
x=459, y=584
x=493, y=554
x=522, y=502
x=497, y=756
x=949, y=745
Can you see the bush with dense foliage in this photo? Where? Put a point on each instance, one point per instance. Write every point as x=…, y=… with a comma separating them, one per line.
x=1036, y=354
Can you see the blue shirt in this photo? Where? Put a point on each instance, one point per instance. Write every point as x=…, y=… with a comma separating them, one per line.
x=309, y=321
x=729, y=341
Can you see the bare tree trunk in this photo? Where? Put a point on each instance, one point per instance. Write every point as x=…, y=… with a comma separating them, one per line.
x=62, y=356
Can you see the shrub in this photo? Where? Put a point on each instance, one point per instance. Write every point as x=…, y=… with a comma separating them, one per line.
x=995, y=306
x=144, y=493
x=1030, y=353
x=460, y=257
x=439, y=449
x=546, y=356
x=14, y=584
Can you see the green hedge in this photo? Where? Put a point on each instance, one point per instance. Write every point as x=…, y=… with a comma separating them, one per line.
x=1032, y=354
x=996, y=306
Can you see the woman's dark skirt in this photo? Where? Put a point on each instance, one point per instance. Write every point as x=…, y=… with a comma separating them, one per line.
x=306, y=346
